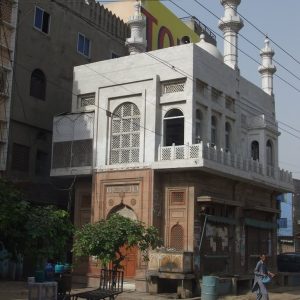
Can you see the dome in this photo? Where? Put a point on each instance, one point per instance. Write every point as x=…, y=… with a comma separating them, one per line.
x=210, y=48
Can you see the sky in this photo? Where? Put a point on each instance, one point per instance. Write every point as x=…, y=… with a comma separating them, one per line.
x=279, y=20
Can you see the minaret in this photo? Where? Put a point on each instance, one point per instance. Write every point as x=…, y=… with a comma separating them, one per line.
x=136, y=43
x=231, y=24
x=267, y=69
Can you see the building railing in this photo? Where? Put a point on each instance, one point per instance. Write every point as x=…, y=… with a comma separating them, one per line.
x=222, y=157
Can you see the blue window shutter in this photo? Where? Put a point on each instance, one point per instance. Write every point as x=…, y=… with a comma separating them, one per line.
x=80, y=43
x=87, y=47
x=38, y=20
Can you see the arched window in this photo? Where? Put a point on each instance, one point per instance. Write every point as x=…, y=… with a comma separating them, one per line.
x=199, y=126
x=174, y=127
x=176, y=240
x=228, y=136
x=213, y=131
x=270, y=158
x=125, y=134
x=255, y=150
x=38, y=84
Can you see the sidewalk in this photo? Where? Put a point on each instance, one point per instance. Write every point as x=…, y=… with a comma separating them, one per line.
x=17, y=290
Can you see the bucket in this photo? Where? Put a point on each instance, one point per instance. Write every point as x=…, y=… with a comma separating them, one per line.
x=209, y=288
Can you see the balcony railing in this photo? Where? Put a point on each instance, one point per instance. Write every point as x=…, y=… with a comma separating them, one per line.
x=223, y=158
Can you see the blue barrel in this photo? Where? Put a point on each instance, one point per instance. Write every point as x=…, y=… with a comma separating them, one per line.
x=209, y=288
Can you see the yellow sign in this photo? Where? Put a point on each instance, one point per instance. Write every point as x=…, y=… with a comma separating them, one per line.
x=164, y=29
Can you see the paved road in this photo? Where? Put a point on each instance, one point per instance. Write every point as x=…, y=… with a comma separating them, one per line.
x=16, y=290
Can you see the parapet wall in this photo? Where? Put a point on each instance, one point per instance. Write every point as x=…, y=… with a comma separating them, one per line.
x=98, y=16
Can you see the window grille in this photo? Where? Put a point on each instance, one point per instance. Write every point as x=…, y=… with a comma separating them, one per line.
x=177, y=197
x=173, y=87
x=61, y=155
x=177, y=237
x=3, y=82
x=125, y=134
x=86, y=100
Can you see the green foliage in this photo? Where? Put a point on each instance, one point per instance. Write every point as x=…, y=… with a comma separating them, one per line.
x=42, y=232
x=105, y=238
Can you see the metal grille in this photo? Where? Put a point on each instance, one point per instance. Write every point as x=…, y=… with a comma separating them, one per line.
x=173, y=87
x=61, y=157
x=82, y=153
x=3, y=81
x=177, y=197
x=86, y=100
x=166, y=153
x=177, y=237
x=125, y=134
x=72, y=154
x=194, y=151
x=179, y=152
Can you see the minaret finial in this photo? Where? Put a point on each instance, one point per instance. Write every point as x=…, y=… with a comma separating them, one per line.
x=137, y=43
x=267, y=69
x=231, y=24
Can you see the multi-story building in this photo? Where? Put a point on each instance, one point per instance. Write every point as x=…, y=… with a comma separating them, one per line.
x=296, y=214
x=178, y=139
x=49, y=39
x=8, y=17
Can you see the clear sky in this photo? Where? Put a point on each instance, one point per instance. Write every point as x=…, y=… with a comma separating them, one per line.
x=280, y=20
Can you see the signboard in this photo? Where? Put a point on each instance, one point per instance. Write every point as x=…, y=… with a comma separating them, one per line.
x=163, y=28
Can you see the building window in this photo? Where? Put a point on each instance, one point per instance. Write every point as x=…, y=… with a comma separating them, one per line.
x=228, y=136
x=199, y=126
x=125, y=134
x=86, y=100
x=41, y=20
x=255, y=150
x=177, y=197
x=213, y=131
x=270, y=159
x=176, y=241
x=20, y=158
x=173, y=86
x=201, y=87
x=215, y=94
x=42, y=163
x=282, y=223
x=229, y=103
x=83, y=45
x=38, y=84
x=174, y=127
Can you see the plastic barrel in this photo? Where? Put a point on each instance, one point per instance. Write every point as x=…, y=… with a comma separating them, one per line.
x=209, y=289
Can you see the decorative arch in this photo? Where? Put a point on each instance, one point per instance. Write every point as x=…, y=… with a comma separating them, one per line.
x=177, y=237
x=38, y=84
x=255, y=150
x=174, y=127
x=125, y=134
x=270, y=153
x=124, y=211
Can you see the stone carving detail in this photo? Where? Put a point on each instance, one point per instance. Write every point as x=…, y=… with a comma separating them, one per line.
x=117, y=189
x=110, y=202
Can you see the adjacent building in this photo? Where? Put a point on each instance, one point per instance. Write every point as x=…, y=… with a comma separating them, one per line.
x=40, y=44
x=178, y=139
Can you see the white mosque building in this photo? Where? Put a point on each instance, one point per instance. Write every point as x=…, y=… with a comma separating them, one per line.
x=178, y=139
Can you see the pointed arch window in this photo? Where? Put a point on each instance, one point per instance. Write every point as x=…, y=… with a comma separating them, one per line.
x=38, y=84
x=125, y=134
x=174, y=127
x=177, y=235
x=228, y=136
x=199, y=126
x=255, y=150
x=270, y=154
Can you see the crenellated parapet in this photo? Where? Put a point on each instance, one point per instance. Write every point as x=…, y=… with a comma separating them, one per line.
x=98, y=15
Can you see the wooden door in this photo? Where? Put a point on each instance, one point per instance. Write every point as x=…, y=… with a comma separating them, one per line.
x=130, y=262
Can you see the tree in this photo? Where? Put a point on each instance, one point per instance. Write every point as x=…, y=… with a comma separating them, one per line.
x=40, y=231
x=105, y=238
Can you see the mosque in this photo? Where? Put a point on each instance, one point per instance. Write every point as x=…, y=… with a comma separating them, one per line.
x=178, y=139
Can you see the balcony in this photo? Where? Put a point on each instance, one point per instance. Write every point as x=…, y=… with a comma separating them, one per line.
x=224, y=163
x=72, y=149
